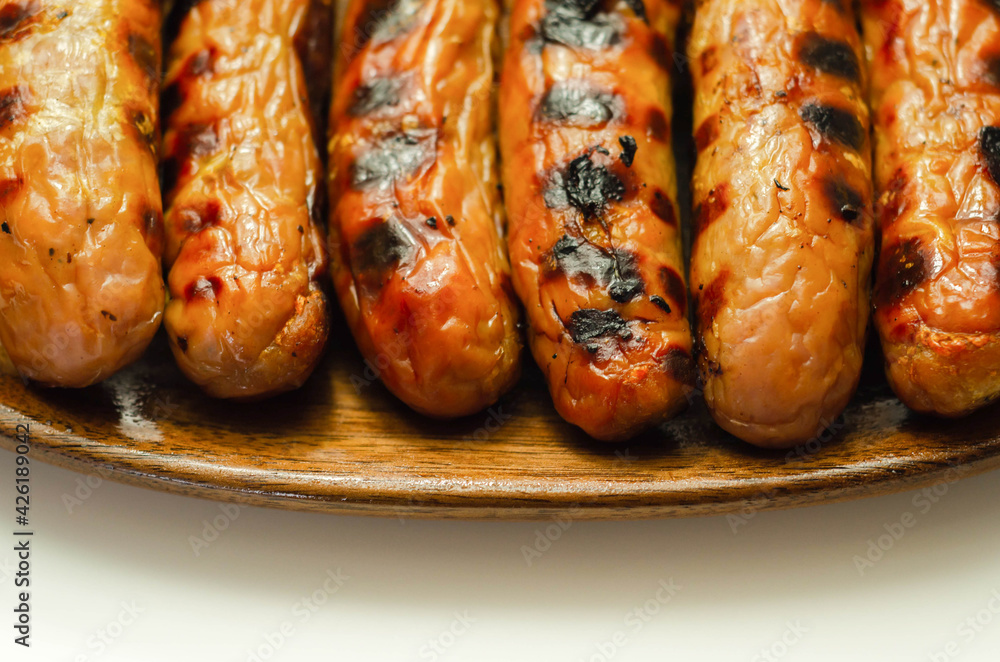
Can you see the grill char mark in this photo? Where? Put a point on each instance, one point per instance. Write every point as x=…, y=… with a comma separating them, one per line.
x=18, y=18
x=904, y=268
x=13, y=105
x=617, y=271
x=830, y=56
x=576, y=103
x=835, y=124
x=989, y=145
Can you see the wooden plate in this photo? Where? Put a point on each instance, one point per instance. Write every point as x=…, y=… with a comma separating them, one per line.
x=344, y=444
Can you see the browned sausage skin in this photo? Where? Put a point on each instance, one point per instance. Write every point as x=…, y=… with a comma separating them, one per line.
x=935, y=68
x=590, y=188
x=81, y=290
x=416, y=222
x=247, y=316
x=783, y=236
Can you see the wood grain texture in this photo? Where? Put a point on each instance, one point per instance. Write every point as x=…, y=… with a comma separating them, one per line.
x=352, y=448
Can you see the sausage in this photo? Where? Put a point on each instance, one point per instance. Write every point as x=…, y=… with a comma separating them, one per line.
x=591, y=189
x=783, y=235
x=935, y=94
x=247, y=317
x=416, y=223
x=81, y=289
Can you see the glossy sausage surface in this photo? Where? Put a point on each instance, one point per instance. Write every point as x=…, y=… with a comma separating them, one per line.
x=247, y=316
x=416, y=222
x=935, y=68
x=81, y=291
x=783, y=236
x=591, y=191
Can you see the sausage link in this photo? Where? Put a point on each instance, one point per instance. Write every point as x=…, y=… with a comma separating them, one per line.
x=591, y=189
x=247, y=316
x=935, y=68
x=416, y=224
x=81, y=290
x=783, y=236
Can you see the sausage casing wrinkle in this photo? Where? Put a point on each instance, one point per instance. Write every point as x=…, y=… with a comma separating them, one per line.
x=783, y=237
x=591, y=188
x=935, y=69
x=81, y=289
x=247, y=316
x=416, y=223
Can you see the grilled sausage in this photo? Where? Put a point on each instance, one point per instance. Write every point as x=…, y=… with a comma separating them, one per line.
x=591, y=191
x=935, y=69
x=247, y=316
x=416, y=221
x=783, y=236
x=81, y=291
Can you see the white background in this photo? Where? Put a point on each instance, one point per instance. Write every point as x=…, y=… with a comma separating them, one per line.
x=408, y=586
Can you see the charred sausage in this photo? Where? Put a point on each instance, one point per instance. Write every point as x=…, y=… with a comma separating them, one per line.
x=591, y=189
x=935, y=70
x=416, y=222
x=81, y=291
x=247, y=316
x=783, y=232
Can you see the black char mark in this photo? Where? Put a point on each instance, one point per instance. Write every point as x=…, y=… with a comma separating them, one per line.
x=639, y=7
x=16, y=19
x=674, y=286
x=9, y=188
x=12, y=105
x=203, y=288
x=629, y=148
x=845, y=200
x=709, y=210
x=193, y=142
x=989, y=145
x=380, y=248
x=589, y=323
x=376, y=94
x=197, y=218
x=396, y=156
x=658, y=126
x=617, y=270
x=992, y=70
x=146, y=56
x=903, y=269
x=679, y=364
x=146, y=129
x=830, y=56
x=835, y=124
x=576, y=103
x=663, y=208
x=379, y=21
x=590, y=186
x=173, y=21
x=579, y=24
x=200, y=64
x=710, y=299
